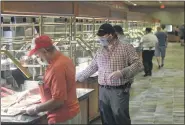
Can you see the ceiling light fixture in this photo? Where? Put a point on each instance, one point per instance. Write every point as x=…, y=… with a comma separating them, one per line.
x=129, y=1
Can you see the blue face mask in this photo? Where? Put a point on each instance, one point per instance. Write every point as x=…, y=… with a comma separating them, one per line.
x=104, y=41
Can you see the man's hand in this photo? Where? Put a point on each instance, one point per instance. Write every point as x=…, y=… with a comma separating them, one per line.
x=115, y=75
x=32, y=110
x=77, y=79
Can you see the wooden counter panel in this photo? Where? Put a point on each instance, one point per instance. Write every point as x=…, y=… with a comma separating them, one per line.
x=84, y=111
x=92, y=83
x=93, y=100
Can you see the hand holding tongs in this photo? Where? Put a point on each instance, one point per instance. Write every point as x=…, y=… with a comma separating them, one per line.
x=22, y=96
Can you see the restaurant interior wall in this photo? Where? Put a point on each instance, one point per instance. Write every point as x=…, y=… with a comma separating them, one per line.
x=173, y=15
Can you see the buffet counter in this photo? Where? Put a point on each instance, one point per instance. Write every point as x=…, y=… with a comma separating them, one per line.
x=91, y=83
x=82, y=94
x=89, y=107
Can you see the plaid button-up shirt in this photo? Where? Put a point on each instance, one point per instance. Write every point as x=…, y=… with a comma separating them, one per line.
x=122, y=57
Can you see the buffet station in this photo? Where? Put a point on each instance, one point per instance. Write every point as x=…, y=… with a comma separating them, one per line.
x=73, y=30
x=137, y=23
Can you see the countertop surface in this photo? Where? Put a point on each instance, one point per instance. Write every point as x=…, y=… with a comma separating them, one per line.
x=82, y=94
x=82, y=67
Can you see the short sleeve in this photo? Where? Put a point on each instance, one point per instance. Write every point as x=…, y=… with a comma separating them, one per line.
x=58, y=84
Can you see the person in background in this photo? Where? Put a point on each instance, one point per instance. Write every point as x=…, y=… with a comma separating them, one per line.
x=160, y=50
x=163, y=28
x=119, y=32
x=58, y=89
x=176, y=31
x=123, y=39
x=182, y=35
x=117, y=64
x=148, y=42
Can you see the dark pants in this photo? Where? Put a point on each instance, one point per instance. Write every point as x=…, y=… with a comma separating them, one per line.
x=147, y=61
x=114, y=106
x=19, y=77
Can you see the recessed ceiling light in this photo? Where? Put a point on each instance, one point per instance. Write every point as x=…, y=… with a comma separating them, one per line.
x=135, y=4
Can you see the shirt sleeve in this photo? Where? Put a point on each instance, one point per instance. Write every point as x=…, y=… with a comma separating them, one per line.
x=135, y=64
x=58, y=84
x=90, y=70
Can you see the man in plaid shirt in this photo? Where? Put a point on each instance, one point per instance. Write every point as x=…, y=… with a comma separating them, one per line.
x=117, y=64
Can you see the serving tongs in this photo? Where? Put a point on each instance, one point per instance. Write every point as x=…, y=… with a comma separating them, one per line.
x=6, y=109
x=11, y=92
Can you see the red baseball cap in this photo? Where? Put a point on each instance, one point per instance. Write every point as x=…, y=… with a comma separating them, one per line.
x=42, y=41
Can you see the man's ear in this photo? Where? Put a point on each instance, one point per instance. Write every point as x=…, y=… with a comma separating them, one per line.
x=110, y=35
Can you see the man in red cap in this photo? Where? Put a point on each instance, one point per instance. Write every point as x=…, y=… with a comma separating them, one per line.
x=58, y=90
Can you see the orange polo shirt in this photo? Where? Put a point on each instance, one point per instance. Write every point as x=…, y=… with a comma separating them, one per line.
x=59, y=84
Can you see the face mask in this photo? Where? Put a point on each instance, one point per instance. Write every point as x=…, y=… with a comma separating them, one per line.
x=104, y=41
x=42, y=61
x=45, y=62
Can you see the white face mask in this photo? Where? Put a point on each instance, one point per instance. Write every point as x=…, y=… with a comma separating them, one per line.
x=104, y=41
x=45, y=62
x=42, y=61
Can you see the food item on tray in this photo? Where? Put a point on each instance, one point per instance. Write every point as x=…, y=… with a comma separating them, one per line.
x=5, y=101
x=12, y=111
x=28, y=100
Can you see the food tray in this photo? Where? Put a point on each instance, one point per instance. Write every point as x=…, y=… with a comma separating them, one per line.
x=11, y=111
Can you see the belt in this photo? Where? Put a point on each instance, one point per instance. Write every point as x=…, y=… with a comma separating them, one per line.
x=150, y=48
x=128, y=84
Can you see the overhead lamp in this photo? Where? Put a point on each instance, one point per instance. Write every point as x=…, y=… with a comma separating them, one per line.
x=135, y=4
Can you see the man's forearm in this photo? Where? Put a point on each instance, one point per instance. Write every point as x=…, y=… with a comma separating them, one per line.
x=49, y=105
x=90, y=70
x=132, y=70
x=134, y=64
